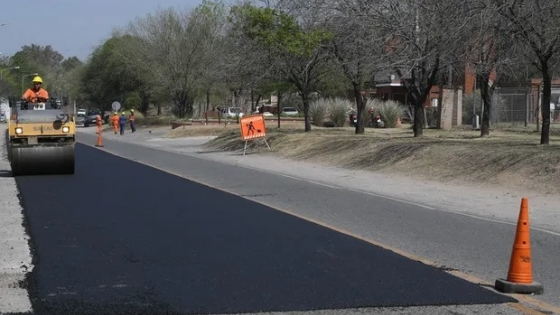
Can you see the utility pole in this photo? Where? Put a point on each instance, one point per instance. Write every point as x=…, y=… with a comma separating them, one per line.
x=2, y=70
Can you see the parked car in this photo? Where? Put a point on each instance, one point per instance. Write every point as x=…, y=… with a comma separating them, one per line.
x=80, y=119
x=81, y=111
x=265, y=114
x=2, y=118
x=91, y=117
x=290, y=111
x=231, y=112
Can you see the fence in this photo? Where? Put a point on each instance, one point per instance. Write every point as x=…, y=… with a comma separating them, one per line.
x=512, y=105
x=509, y=106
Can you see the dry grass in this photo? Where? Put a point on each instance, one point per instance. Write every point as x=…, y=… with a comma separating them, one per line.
x=509, y=158
x=196, y=130
x=199, y=130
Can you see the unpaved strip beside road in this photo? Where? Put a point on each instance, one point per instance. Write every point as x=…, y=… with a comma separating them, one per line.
x=15, y=257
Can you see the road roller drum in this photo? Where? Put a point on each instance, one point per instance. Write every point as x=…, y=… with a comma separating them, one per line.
x=42, y=160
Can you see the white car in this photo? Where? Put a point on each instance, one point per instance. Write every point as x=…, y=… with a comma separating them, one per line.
x=81, y=111
x=291, y=111
x=231, y=112
x=265, y=114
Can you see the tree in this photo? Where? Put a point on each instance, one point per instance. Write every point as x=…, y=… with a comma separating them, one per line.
x=107, y=77
x=532, y=24
x=296, y=54
x=9, y=80
x=419, y=38
x=63, y=78
x=249, y=66
x=487, y=53
x=356, y=47
x=175, y=51
x=37, y=58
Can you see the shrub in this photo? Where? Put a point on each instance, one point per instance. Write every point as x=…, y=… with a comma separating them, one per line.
x=318, y=112
x=391, y=111
x=338, y=109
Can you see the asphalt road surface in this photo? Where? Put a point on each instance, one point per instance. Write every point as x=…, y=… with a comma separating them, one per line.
x=475, y=246
x=120, y=237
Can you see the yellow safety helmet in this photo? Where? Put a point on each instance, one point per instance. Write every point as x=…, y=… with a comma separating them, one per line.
x=123, y=113
x=132, y=110
x=37, y=79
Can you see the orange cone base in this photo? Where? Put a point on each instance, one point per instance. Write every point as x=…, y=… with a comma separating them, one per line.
x=99, y=142
x=505, y=286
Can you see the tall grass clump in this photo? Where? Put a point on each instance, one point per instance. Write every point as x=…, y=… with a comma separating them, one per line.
x=318, y=112
x=338, y=109
x=390, y=112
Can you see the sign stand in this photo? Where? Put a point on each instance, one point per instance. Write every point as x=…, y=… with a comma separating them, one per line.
x=266, y=142
x=252, y=128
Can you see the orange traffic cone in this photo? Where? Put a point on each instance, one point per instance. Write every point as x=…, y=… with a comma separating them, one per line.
x=520, y=274
x=99, y=139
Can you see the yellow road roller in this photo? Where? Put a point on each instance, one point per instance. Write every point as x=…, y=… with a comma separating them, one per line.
x=41, y=139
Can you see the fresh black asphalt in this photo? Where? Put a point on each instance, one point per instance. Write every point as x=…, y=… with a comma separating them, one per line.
x=120, y=237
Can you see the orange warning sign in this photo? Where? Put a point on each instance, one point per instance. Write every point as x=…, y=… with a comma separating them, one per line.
x=252, y=127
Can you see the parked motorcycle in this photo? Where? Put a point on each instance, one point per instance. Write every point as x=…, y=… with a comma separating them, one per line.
x=353, y=119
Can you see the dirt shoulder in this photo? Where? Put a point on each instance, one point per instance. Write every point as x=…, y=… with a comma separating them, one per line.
x=507, y=159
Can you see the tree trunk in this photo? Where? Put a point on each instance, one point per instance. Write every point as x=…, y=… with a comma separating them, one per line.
x=145, y=105
x=183, y=104
x=486, y=95
x=545, y=109
x=279, y=107
x=305, y=99
x=418, y=119
x=418, y=94
x=252, y=101
x=361, y=106
x=256, y=103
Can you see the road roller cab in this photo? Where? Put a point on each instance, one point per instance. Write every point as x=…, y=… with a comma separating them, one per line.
x=41, y=139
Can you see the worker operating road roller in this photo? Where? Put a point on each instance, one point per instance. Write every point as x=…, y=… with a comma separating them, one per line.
x=36, y=93
x=42, y=134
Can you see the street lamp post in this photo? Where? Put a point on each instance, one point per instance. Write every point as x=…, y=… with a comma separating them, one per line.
x=2, y=70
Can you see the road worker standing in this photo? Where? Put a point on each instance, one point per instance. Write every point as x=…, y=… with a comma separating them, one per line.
x=122, y=123
x=131, y=119
x=115, y=122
